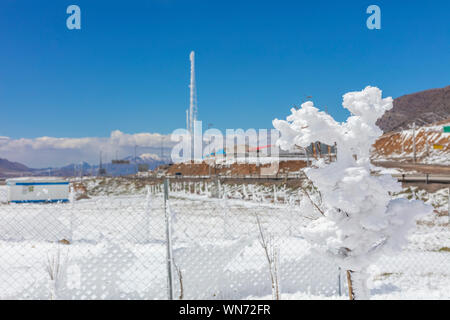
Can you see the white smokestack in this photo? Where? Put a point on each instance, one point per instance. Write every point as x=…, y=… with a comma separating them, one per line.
x=193, y=95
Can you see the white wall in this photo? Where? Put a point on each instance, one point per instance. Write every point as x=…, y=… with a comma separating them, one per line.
x=38, y=191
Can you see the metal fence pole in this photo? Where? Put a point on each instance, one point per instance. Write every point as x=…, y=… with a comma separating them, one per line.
x=339, y=282
x=168, y=241
x=72, y=205
x=147, y=213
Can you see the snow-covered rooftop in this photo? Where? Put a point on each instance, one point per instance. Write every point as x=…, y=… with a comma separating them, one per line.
x=36, y=179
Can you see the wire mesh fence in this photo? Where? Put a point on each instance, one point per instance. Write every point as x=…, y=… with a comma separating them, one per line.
x=196, y=241
x=105, y=249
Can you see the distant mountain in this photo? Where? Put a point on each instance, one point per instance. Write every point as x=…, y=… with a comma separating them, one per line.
x=152, y=160
x=423, y=107
x=70, y=170
x=10, y=169
x=13, y=169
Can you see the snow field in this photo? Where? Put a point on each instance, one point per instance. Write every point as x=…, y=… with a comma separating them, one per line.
x=118, y=251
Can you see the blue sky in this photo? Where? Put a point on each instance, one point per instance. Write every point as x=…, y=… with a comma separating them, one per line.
x=127, y=69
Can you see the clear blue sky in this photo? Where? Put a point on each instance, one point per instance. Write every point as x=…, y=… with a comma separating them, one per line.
x=128, y=67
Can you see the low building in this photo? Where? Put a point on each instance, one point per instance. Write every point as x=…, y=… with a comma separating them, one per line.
x=37, y=189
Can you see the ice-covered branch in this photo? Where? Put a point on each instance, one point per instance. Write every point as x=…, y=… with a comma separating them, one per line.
x=359, y=219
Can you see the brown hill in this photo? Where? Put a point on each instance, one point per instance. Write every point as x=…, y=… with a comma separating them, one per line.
x=423, y=107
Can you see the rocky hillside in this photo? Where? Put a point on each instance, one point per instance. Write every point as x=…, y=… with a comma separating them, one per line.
x=423, y=107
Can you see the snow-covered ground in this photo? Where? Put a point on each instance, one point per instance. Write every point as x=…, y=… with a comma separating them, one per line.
x=117, y=250
x=3, y=194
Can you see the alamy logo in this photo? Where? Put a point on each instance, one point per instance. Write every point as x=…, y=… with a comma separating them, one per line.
x=74, y=20
x=237, y=145
x=374, y=21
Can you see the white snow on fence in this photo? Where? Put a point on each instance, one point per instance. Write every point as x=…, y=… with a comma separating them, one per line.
x=117, y=250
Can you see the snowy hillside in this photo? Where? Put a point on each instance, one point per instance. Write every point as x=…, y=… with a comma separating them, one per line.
x=398, y=146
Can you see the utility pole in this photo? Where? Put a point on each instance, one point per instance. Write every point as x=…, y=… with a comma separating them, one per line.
x=335, y=150
x=135, y=160
x=100, y=165
x=414, y=141
x=307, y=157
x=313, y=148
x=162, y=147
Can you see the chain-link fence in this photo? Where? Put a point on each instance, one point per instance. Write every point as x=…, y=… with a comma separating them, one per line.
x=102, y=248
x=197, y=240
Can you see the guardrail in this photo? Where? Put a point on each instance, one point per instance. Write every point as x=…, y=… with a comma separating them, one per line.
x=248, y=176
x=427, y=178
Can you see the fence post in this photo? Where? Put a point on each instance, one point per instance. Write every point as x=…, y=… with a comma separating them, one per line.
x=215, y=188
x=72, y=210
x=274, y=193
x=335, y=150
x=147, y=212
x=168, y=241
x=339, y=282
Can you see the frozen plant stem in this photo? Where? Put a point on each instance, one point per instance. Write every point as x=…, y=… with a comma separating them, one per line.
x=55, y=268
x=180, y=279
x=272, y=255
x=350, y=286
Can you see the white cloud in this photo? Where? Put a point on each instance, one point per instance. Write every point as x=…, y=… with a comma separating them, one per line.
x=50, y=151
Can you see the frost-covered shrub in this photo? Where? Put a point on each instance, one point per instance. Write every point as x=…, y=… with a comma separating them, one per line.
x=359, y=219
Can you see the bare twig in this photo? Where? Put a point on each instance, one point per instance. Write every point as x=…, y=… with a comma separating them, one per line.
x=351, y=293
x=55, y=267
x=180, y=279
x=271, y=254
x=313, y=203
